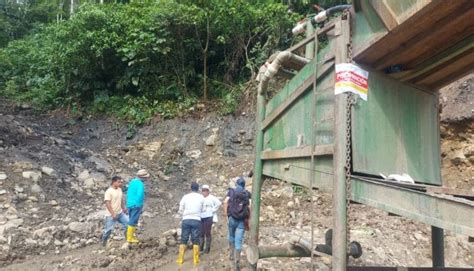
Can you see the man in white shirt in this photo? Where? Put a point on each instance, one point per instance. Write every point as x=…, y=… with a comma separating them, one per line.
x=116, y=211
x=210, y=207
x=190, y=207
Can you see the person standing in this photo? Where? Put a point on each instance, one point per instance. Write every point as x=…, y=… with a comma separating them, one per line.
x=237, y=210
x=114, y=203
x=135, y=200
x=210, y=207
x=190, y=207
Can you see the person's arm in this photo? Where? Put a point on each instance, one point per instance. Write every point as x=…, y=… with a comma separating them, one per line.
x=141, y=193
x=226, y=202
x=217, y=203
x=124, y=206
x=108, y=204
x=181, y=206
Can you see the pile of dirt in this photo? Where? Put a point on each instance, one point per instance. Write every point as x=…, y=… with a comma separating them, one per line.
x=457, y=134
x=54, y=171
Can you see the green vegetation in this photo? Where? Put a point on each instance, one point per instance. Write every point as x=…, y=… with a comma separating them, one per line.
x=139, y=59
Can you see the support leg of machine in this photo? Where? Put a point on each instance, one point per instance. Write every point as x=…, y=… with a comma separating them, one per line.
x=437, y=246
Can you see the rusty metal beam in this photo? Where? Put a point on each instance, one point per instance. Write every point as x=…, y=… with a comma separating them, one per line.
x=304, y=151
x=441, y=211
x=322, y=70
x=450, y=191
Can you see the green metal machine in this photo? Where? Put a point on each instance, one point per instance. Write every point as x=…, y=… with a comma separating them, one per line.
x=344, y=145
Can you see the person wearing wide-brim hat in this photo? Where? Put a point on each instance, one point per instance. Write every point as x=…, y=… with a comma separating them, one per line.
x=135, y=200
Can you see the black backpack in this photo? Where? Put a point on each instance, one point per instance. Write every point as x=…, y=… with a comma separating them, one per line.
x=238, y=204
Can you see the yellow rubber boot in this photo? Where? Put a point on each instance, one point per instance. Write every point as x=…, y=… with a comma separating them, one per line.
x=131, y=235
x=180, y=259
x=196, y=254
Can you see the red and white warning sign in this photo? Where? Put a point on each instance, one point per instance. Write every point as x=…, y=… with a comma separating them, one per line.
x=351, y=78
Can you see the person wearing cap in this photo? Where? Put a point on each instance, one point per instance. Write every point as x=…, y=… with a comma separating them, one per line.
x=135, y=200
x=210, y=207
x=116, y=211
x=236, y=226
x=190, y=207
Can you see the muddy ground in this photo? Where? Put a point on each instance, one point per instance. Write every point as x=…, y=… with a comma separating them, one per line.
x=55, y=169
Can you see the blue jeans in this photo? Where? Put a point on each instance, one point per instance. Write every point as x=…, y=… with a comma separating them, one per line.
x=134, y=213
x=110, y=223
x=190, y=227
x=236, y=232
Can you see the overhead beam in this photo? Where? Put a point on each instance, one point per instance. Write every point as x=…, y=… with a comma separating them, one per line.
x=299, y=152
x=441, y=59
x=385, y=14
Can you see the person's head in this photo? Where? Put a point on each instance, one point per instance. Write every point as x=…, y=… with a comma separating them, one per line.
x=250, y=175
x=117, y=182
x=143, y=174
x=240, y=182
x=194, y=187
x=205, y=190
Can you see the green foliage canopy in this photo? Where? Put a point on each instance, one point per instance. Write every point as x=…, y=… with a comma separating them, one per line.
x=142, y=58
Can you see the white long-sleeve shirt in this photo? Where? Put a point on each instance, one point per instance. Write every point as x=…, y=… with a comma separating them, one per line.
x=191, y=206
x=210, y=207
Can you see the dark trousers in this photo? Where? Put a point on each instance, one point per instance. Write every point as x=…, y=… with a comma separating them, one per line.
x=190, y=227
x=206, y=227
x=206, y=233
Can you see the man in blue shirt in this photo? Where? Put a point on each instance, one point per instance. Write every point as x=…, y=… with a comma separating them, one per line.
x=237, y=210
x=135, y=199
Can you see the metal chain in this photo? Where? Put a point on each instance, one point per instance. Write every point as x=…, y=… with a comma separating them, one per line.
x=351, y=100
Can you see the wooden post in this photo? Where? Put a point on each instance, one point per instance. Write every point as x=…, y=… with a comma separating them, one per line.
x=339, y=239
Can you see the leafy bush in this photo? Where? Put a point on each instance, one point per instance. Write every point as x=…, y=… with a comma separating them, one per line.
x=142, y=59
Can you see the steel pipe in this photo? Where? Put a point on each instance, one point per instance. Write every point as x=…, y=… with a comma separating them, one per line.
x=287, y=250
x=283, y=59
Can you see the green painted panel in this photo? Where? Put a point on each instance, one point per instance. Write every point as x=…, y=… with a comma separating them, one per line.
x=396, y=131
x=284, y=132
x=296, y=121
x=291, y=86
x=298, y=171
